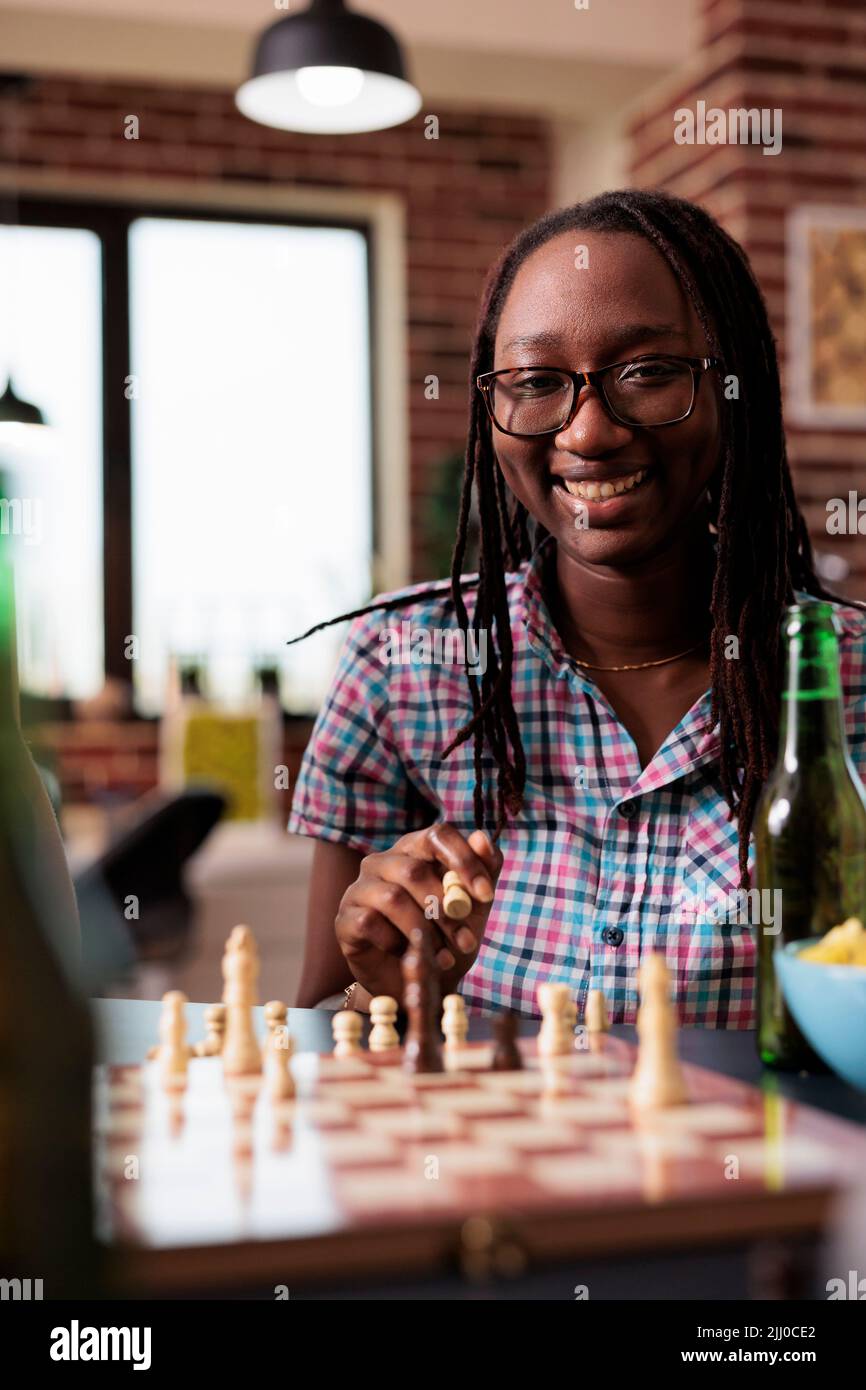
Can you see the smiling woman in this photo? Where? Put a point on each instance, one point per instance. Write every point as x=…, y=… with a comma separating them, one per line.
x=604, y=767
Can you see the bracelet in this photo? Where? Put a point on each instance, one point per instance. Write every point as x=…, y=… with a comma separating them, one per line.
x=348, y=994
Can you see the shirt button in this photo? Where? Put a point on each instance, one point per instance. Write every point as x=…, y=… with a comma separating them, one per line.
x=613, y=936
x=628, y=809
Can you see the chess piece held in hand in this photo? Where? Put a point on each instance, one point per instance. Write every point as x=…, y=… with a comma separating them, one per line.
x=657, y=1080
x=456, y=902
x=421, y=1000
x=241, y=1051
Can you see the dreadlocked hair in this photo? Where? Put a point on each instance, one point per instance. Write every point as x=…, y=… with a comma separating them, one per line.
x=762, y=545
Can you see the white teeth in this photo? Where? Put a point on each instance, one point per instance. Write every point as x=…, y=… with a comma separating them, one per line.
x=592, y=492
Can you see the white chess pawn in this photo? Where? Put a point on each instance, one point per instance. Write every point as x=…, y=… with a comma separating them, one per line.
x=279, y=1048
x=595, y=1017
x=455, y=1022
x=173, y=1048
x=215, y=1028
x=347, y=1026
x=555, y=1037
x=275, y=1014
x=383, y=1013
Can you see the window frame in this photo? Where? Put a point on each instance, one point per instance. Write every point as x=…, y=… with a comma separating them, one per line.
x=111, y=220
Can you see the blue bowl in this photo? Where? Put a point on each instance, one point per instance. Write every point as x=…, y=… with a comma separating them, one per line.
x=828, y=1003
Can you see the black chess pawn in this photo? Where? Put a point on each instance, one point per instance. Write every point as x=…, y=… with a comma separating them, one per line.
x=506, y=1053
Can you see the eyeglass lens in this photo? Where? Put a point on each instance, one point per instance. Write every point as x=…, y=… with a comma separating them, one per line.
x=650, y=392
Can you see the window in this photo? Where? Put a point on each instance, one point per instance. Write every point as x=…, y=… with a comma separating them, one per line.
x=250, y=446
x=50, y=340
x=224, y=472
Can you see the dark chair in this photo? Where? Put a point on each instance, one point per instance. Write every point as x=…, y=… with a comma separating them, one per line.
x=137, y=884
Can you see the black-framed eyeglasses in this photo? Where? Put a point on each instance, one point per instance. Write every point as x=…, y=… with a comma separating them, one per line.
x=649, y=391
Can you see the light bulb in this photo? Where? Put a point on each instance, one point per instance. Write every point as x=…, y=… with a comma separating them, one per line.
x=327, y=86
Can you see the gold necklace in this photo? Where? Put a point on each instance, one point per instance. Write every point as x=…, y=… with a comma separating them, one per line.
x=640, y=665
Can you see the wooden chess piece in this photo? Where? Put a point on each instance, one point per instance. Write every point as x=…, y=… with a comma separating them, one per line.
x=383, y=1016
x=347, y=1026
x=174, y=1051
x=455, y=1022
x=275, y=1013
x=506, y=1053
x=215, y=1029
x=455, y=901
x=555, y=1037
x=657, y=1080
x=596, y=1017
x=421, y=999
x=279, y=1048
x=241, y=1051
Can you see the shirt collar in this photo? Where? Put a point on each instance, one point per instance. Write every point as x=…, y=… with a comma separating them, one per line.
x=690, y=743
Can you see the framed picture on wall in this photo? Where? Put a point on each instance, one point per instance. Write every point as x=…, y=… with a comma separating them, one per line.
x=826, y=277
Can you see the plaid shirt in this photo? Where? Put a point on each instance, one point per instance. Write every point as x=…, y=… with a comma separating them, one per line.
x=607, y=860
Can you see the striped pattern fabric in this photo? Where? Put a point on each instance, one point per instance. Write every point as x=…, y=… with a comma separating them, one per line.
x=606, y=862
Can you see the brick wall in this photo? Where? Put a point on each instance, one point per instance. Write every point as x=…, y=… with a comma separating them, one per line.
x=465, y=194
x=810, y=61
x=110, y=762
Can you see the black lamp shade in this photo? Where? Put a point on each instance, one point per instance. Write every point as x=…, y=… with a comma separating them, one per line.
x=361, y=82
x=15, y=411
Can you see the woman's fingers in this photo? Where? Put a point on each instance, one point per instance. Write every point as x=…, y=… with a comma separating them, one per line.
x=473, y=858
x=422, y=880
x=454, y=852
x=490, y=853
x=367, y=942
x=391, y=910
x=401, y=889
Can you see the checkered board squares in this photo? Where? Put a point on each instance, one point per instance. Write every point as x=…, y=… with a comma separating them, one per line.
x=366, y=1147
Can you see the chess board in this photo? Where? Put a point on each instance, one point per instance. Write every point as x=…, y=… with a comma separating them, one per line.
x=369, y=1170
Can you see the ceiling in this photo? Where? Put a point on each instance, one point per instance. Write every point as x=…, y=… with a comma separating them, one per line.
x=547, y=56
x=618, y=30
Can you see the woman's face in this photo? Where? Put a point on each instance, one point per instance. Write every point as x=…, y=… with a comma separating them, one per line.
x=625, y=303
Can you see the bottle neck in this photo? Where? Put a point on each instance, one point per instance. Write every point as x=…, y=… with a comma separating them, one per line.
x=812, y=718
x=9, y=701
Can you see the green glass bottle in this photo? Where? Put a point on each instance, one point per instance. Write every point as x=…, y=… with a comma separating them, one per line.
x=46, y=1053
x=810, y=825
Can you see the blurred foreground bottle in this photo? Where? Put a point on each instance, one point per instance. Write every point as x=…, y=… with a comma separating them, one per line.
x=46, y=1046
x=810, y=825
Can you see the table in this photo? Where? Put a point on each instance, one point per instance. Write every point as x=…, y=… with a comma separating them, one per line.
x=126, y=1028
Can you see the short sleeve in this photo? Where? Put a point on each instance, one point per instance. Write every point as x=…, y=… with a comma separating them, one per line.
x=353, y=786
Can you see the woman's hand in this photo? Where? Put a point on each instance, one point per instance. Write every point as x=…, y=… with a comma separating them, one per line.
x=389, y=898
